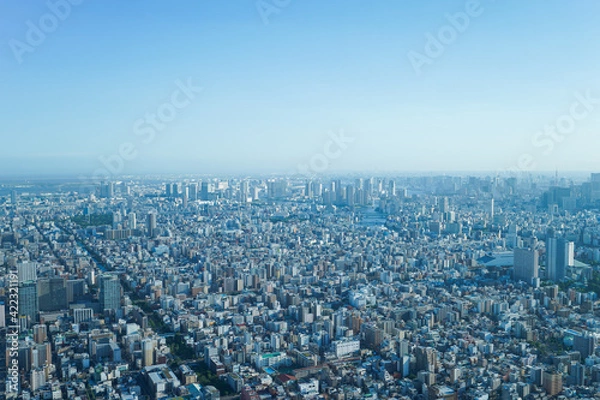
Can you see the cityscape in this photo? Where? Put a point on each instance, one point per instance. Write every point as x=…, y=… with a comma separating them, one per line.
x=395, y=287
x=299, y=199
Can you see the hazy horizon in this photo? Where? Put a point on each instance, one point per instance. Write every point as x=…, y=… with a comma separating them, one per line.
x=271, y=87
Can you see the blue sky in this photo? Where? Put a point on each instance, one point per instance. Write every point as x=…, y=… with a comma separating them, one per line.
x=273, y=92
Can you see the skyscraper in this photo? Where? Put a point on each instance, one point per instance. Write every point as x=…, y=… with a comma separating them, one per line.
x=392, y=187
x=559, y=256
x=27, y=271
x=205, y=190
x=584, y=344
x=243, y=191
x=553, y=383
x=426, y=359
x=28, y=301
x=193, y=191
x=148, y=346
x=52, y=294
x=526, y=265
x=110, y=292
x=151, y=224
x=443, y=205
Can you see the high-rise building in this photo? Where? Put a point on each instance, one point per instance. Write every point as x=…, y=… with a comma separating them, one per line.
x=595, y=187
x=151, y=224
x=584, y=344
x=148, y=346
x=526, y=265
x=28, y=302
x=350, y=196
x=553, y=383
x=373, y=335
x=40, y=333
x=132, y=220
x=107, y=190
x=443, y=205
x=52, y=294
x=205, y=190
x=193, y=191
x=426, y=359
x=185, y=196
x=110, y=292
x=559, y=256
x=2, y=316
x=392, y=187
x=243, y=191
x=75, y=290
x=27, y=271
x=276, y=188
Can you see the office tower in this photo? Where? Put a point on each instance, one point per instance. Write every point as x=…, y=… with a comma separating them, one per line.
x=132, y=220
x=151, y=224
x=116, y=219
x=206, y=190
x=552, y=383
x=75, y=290
x=577, y=377
x=317, y=189
x=110, y=293
x=40, y=333
x=536, y=376
x=426, y=359
x=107, y=190
x=392, y=187
x=559, y=256
x=52, y=294
x=595, y=187
x=28, y=302
x=276, y=189
x=443, y=205
x=2, y=315
x=373, y=335
x=308, y=189
x=193, y=191
x=243, y=191
x=168, y=190
x=584, y=344
x=526, y=265
x=27, y=271
x=175, y=190
x=13, y=197
x=148, y=346
x=350, y=195
x=358, y=183
x=492, y=210
x=339, y=192
x=185, y=196
x=369, y=187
